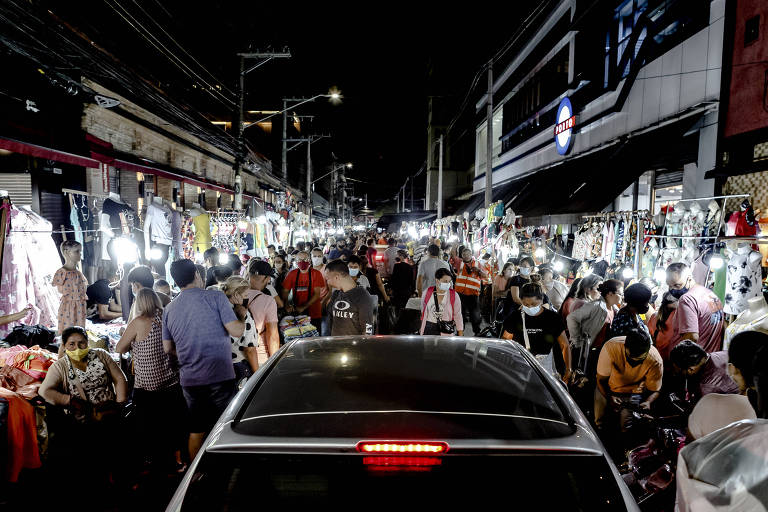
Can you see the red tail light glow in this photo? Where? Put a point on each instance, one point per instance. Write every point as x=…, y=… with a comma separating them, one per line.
x=426, y=448
x=401, y=463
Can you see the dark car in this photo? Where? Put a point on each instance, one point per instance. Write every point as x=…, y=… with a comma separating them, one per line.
x=402, y=423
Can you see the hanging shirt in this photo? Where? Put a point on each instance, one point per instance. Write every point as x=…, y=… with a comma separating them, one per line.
x=159, y=222
x=122, y=218
x=743, y=280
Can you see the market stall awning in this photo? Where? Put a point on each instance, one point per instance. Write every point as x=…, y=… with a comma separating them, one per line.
x=26, y=148
x=589, y=183
x=477, y=200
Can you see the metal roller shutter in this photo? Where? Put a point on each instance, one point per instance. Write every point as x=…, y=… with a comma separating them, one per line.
x=129, y=188
x=18, y=185
x=668, y=178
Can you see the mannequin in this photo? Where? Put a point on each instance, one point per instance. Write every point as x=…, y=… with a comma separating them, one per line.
x=743, y=278
x=157, y=227
x=201, y=222
x=755, y=317
x=116, y=219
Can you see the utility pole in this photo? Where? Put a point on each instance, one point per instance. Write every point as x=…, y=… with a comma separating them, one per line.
x=284, y=160
x=440, y=181
x=240, y=157
x=309, y=179
x=333, y=191
x=412, y=180
x=489, y=157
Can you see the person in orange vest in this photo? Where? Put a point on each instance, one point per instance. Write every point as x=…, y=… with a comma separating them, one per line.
x=469, y=278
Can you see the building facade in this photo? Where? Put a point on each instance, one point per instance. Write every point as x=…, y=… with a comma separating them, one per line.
x=632, y=89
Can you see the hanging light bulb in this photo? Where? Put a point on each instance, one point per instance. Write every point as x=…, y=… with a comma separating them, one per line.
x=627, y=273
x=558, y=266
x=540, y=253
x=660, y=275
x=716, y=262
x=156, y=253
x=223, y=258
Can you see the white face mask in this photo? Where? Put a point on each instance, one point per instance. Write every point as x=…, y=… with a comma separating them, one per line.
x=444, y=286
x=317, y=260
x=532, y=311
x=354, y=271
x=525, y=271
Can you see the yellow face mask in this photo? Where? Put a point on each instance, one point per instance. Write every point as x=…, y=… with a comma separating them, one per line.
x=79, y=354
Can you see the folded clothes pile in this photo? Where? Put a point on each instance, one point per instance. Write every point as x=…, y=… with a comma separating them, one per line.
x=294, y=327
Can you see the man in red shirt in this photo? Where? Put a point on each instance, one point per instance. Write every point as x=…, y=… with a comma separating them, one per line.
x=305, y=287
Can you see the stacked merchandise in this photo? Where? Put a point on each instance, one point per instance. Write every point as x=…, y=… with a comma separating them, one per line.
x=22, y=413
x=294, y=327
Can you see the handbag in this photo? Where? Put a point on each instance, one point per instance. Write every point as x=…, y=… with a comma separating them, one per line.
x=445, y=326
x=98, y=413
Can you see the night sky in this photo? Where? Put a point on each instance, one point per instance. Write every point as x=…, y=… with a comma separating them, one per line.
x=386, y=61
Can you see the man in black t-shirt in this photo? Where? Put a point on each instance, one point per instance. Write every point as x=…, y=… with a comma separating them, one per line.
x=543, y=329
x=350, y=307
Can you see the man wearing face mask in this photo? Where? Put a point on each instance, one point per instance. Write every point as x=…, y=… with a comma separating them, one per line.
x=468, y=283
x=305, y=286
x=699, y=315
x=350, y=307
x=629, y=373
x=637, y=298
x=317, y=260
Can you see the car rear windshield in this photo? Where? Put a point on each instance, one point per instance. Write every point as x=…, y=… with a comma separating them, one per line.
x=239, y=482
x=449, y=377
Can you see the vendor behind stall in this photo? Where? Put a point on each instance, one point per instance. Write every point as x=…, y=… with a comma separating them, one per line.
x=101, y=305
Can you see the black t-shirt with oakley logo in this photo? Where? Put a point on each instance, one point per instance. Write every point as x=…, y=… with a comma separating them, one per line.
x=351, y=312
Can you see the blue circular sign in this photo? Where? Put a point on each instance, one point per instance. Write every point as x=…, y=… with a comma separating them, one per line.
x=564, y=124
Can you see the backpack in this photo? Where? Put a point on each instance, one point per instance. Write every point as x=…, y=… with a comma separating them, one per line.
x=428, y=296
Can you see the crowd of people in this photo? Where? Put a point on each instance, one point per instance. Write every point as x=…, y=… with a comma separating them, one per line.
x=618, y=345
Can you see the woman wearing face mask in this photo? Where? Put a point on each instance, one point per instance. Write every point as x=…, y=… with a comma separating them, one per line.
x=515, y=283
x=540, y=330
x=500, y=281
x=663, y=326
x=588, y=325
x=637, y=298
x=555, y=290
x=441, y=309
x=92, y=388
x=569, y=304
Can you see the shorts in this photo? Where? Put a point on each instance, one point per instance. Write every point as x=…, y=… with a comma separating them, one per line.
x=206, y=403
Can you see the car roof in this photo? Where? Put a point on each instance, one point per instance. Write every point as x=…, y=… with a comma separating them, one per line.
x=334, y=392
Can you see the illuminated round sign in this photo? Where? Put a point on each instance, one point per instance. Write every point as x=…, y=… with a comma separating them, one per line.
x=566, y=120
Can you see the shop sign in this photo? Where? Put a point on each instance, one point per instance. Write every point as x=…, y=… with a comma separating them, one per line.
x=566, y=121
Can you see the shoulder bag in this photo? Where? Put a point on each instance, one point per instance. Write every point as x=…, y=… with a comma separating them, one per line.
x=445, y=326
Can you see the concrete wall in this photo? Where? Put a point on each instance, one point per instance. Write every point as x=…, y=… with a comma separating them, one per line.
x=130, y=137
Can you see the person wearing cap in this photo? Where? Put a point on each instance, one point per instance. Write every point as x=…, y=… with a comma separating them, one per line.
x=637, y=298
x=263, y=309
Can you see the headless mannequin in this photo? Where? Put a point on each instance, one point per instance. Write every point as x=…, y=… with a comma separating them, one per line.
x=196, y=210
x=755, y=317
x=158, y=264
x=109, y=233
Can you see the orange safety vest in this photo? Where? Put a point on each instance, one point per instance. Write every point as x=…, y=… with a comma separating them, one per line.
x=467, y=284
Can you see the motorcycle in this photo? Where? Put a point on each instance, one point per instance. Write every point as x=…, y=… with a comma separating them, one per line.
x=649, y=470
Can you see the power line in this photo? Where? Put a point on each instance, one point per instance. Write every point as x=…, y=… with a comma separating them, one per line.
x=181, y=47
x=211, y=90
